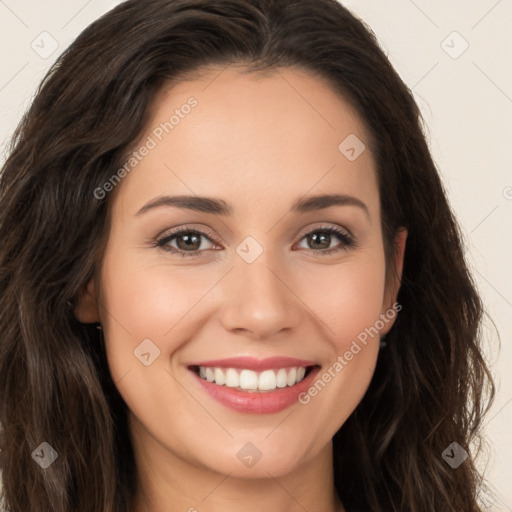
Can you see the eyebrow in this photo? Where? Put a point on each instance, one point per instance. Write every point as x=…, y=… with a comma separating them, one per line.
x=220, y=207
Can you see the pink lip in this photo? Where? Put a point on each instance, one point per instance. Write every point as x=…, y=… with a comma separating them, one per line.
x=258, y=403
x=250, y=363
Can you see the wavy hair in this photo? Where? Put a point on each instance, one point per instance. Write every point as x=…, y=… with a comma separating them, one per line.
x=429, y=387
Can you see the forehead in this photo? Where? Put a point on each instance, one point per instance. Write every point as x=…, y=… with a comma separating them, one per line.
x=224, y=132
x=241, y=98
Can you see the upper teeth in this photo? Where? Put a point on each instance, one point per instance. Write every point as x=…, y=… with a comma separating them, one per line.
x=251, y=380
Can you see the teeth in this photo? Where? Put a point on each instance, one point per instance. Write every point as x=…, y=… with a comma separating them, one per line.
x=250, y=380
x=210, y=374
x=232, y=378
x=267, y=380
x=220, y=377
x=292, y=376
x=282, y=378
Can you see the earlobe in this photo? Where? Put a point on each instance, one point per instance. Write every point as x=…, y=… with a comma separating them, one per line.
x=400, y=242
x=86, y=310
x=395, y=276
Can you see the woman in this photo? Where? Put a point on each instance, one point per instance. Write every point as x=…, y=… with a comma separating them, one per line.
x=173, y=338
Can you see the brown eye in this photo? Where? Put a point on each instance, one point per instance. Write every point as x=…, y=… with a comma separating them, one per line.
x=189, y=242
x=319, y=240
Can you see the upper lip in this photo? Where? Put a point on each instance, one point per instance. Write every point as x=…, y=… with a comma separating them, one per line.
x=251, y=363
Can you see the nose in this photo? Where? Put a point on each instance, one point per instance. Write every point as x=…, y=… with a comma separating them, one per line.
x=260, y=299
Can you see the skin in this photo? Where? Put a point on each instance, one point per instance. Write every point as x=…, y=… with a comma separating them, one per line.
x=259, y=142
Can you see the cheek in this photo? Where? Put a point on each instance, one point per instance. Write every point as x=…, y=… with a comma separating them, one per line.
x=346, y=297
x=347, y=303
x=142, y=302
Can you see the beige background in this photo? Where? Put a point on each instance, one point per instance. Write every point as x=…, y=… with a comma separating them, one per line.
x=465, y=95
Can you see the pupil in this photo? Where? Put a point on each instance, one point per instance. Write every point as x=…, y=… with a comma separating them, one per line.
x=190, y=240
x=325, y=240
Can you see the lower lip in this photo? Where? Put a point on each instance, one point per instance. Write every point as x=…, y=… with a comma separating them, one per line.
x=257, y=403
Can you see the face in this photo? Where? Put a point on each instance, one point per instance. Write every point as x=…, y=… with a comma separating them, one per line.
x=263, y=279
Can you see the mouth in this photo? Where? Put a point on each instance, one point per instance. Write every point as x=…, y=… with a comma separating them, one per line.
x=251, y=381
x=248, y=384
x=260, y=390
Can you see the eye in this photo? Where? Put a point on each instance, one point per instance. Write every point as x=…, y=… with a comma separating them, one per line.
x=189, y=242
x=321, y=238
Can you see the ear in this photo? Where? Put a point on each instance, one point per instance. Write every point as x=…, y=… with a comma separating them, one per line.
x=86, y=310
x=393, y=280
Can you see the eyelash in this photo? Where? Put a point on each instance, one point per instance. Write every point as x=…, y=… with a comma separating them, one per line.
x=348, y=241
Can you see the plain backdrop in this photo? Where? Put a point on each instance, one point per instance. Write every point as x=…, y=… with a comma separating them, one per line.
x=455, y=57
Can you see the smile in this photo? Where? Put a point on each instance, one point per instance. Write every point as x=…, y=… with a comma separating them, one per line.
x=250, y=380
x=255, y=386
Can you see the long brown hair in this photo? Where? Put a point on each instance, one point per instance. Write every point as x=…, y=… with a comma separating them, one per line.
x=429, y=387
